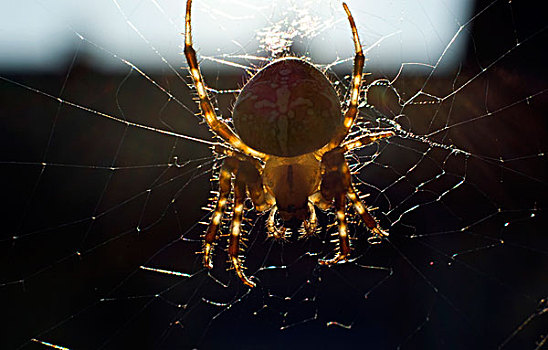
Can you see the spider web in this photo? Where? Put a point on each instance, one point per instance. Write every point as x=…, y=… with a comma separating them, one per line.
x=105, y=176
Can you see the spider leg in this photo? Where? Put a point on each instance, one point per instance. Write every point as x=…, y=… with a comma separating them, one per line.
x=235, y=230
x=337, y=184
x=318, y=200
x=222, y=149
x=344, y=244
x=251, y=175
x=365, y=140
x=247, y=177
x=360, y=208
x=230, y=166
x=352, y=110
x=217, y=125
x=366, y=216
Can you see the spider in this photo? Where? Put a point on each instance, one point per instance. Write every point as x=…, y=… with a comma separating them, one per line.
x=287, y=154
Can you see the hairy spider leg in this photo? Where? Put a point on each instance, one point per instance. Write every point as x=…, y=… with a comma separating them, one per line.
x=235, y=230
x=337, y=183
x=344, y=243
x=366, y=216
x=229, y=166
x=365, y=140
x=217, y=126
x=247, y=176
x=251, y=173
x=359, y=207
x=352, y=111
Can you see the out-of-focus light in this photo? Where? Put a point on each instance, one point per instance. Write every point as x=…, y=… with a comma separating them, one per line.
x=40, y=35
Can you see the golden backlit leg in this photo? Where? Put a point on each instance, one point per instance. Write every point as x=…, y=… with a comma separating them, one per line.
x=217, y=125
x=337, y=184
x=250, y=172
x=235, y=231
x=230, y=165
x=368, y=219
x=219, y=148
x=252, y=178
x=352, y=110
x=365, y=140
x=336, y=179
x=344, y=242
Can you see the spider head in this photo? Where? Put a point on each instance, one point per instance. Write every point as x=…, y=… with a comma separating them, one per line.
x=293, y=218
x=293, y=214
x=291, y=181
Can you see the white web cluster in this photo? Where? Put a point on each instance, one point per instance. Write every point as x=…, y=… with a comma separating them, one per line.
x=105, y=176
x=295, y=21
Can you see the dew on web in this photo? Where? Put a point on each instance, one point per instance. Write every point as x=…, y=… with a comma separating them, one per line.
x=107, y=184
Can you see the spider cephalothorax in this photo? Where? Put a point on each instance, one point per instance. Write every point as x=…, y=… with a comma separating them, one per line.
x=288, y=153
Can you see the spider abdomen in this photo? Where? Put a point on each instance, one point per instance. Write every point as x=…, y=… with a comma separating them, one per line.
x=287, y=109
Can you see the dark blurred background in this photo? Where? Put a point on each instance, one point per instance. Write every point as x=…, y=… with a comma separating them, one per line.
x=88, y=201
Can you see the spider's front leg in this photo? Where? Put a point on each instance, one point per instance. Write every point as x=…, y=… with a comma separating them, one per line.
x=337, y=185
x=218, y=126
